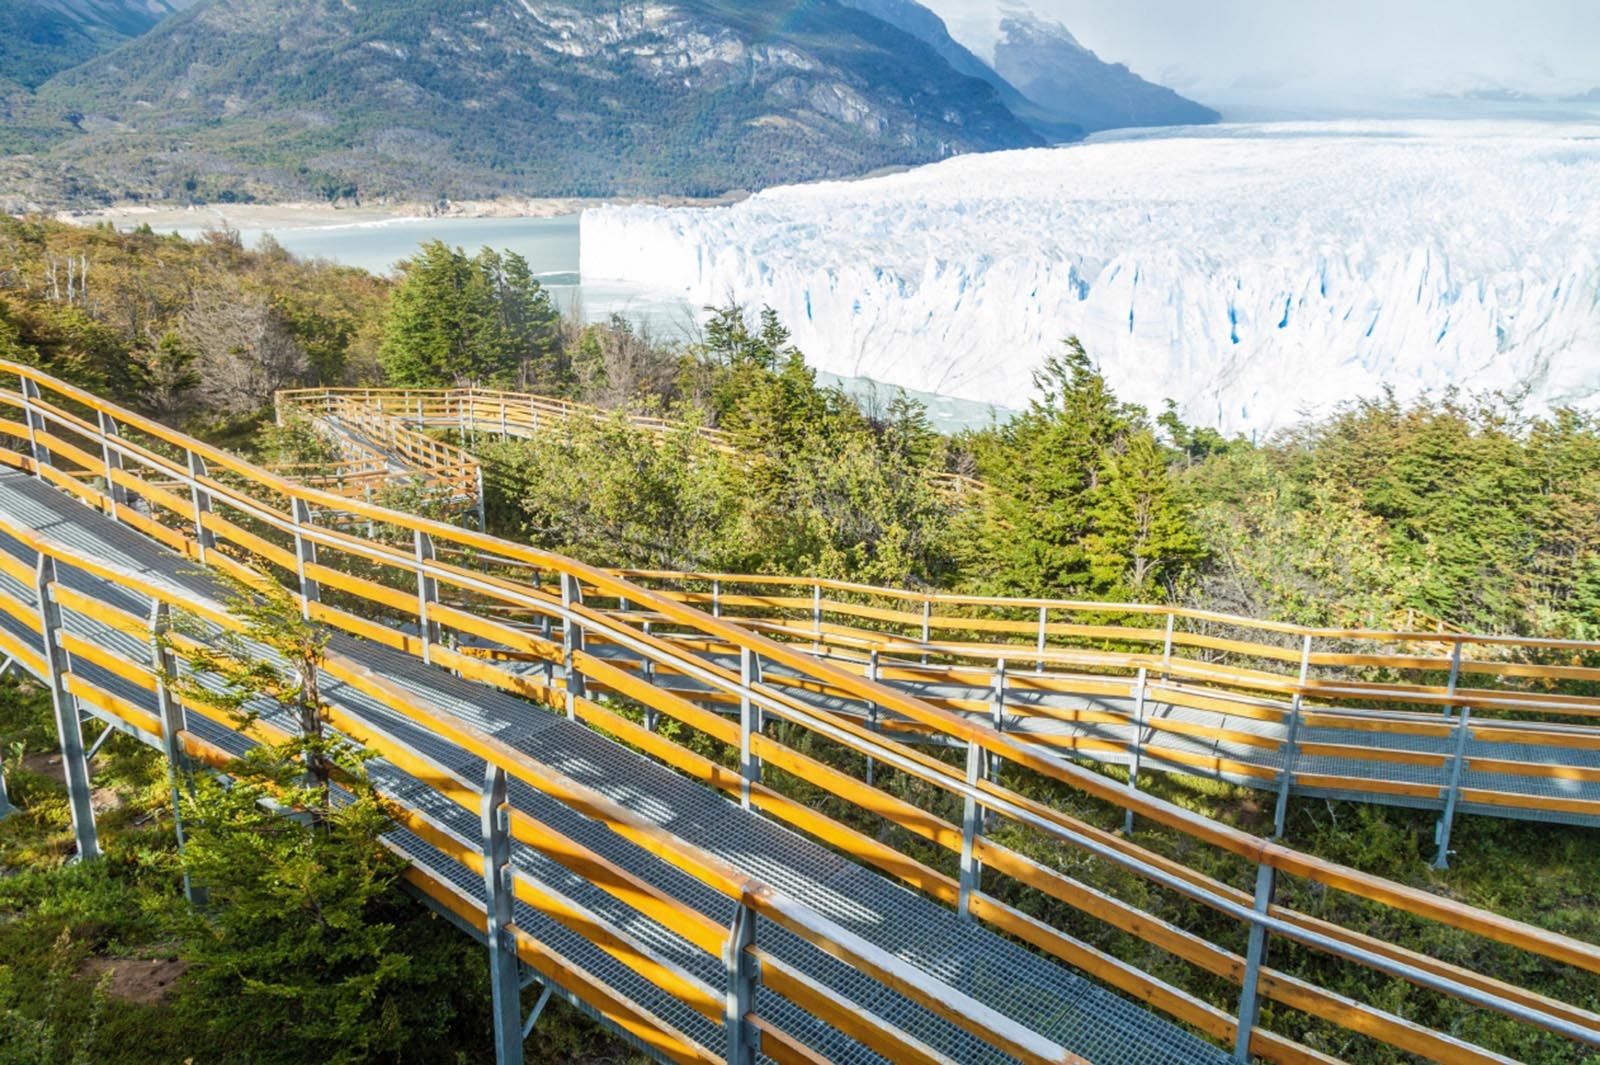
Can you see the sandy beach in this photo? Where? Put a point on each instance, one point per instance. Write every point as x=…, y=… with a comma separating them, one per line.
x=314, y=214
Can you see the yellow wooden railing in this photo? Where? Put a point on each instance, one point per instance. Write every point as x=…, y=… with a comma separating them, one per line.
x=477, y=412
x=391, y=586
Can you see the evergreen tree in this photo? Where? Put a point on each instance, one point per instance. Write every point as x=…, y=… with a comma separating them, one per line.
x=1045, y=467
x=1143, y=534
x=458, y=320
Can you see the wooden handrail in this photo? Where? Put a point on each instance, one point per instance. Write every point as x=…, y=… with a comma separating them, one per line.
x=256, y=498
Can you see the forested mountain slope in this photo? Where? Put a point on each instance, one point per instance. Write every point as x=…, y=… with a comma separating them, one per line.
x=425, y=98
x=41, y=37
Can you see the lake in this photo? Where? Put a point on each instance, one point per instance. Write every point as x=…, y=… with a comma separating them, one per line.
x=551, y=246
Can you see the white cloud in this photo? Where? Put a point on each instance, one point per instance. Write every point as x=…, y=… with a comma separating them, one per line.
x=1301, y=53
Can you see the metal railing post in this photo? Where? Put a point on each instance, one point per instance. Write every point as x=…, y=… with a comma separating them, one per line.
x=305, y=554
x=716, y=598
x=1455, y=676
x=1043, y=611
x=34, y=420
x=816, y=616
x=872, y=710
x=571, y=642
x=927, y=627
x=6, y=809
x=750, y=723
x=744, y=972
x=971, y=816
x=1291, y=745
x=997, y=710
x=427, y=594
x=648, y=672
x=173, y=724
x=1255, y=956
x=1138, y=744
x=483, y=506
x=505, y=987
x=69, y=726
x=111, y=460
x=1452, y=796
x=200, y=505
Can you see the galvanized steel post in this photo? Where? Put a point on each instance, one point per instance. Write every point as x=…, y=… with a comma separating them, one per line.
x=750, y=723
x=648, y=671
x=111, y=460
x=200, y=506
x=571, y=641
x=427, y=594
x=1138, y=744
x=1291, y=745
x=1043, y=611
x=69, y=727
x=743, y=972
x=872, y=710
x=927, y=627
x=36, y=425
x=997, y=710
x=1254, y=957
x=1455, y=675
x=1452, y=795
x=173, y=724
x=971, y=816
x=504, y=984
x=305, y=554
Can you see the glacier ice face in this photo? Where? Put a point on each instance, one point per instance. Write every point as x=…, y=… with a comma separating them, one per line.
x=1255, y=274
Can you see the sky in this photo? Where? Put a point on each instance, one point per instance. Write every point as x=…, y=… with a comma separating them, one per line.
x=1324, y=54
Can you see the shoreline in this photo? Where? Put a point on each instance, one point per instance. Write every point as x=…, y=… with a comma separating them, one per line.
x=315, y=215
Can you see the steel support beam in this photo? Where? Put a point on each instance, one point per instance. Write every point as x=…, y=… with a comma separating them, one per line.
x=1138, y=744
x=571, y=642
x=200, y=505
x=69, y=727
x=173, y=724
x=34, y=419
x=750, y=723
x=1255, y=957
x=505, y=984
x=743, y=972
x=111, y=461
x=971, y=821
x=305, y=553
x=997, y=714
x=872, y=711
x=1452, y=794
x=427, y=594
x=1291, y=745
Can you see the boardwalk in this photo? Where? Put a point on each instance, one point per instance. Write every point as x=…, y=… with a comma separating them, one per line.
x=668, y=878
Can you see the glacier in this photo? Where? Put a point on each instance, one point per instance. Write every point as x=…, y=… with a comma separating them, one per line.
x=1255, y=274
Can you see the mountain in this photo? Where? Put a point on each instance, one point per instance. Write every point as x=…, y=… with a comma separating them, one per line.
x=41, y=37
x=1050, y=81
x=928, y=27
x=463, y=98
x=1048, y=65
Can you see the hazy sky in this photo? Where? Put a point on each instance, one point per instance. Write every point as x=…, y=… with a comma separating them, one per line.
x=1323, y=52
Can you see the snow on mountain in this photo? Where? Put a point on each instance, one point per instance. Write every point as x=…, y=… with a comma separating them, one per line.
x=1256, y=274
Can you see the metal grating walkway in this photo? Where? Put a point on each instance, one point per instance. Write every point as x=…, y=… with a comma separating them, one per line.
x=1040, y=994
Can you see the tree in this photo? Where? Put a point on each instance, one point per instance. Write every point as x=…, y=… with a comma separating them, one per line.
x=1143, y=535
x=457, y=320
x=1045, y=467
x=298, y=948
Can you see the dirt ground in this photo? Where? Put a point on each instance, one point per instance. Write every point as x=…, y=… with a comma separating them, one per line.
x=145, y=981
